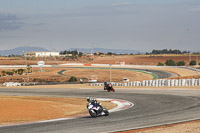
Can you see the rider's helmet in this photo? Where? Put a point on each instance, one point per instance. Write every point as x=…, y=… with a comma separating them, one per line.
x=88, y=99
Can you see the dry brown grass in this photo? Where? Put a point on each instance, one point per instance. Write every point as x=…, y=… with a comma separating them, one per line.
x=128, y=59
x=51, y=75
x=34, y=60
x=143, y=59
x=104, y=74
x=31, y=109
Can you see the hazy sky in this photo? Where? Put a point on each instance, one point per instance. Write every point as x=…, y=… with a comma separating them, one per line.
x=121, y=24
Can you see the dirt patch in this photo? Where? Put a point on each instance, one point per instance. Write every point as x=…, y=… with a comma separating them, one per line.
x=20, y=109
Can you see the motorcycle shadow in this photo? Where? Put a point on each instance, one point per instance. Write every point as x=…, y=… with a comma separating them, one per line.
x=89, y=117
x=105, y=91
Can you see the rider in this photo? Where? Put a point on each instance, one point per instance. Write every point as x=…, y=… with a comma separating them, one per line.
x=105, y=85
x=110, y=85
x=92, y=101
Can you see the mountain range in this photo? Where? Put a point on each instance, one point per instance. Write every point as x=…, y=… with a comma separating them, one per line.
x=20, y=50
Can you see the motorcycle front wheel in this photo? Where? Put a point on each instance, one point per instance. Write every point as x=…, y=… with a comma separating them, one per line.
x=92, y=113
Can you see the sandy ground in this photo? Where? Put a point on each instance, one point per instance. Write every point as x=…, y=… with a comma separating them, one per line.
x=22, y=109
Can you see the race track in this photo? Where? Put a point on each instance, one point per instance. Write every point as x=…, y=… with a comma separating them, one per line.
x=152, y=107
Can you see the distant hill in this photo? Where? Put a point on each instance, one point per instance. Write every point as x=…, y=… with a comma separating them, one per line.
x=20, y=50
x=117, y=51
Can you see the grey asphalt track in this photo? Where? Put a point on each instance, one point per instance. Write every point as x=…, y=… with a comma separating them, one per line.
x=152, y=107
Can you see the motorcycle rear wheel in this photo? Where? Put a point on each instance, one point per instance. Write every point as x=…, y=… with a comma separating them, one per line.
x=106, y=112
x=113, y=90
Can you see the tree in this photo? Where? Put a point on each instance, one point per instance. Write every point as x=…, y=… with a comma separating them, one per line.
x=13, y=70
x=180, y=63
x=73, y=79
x=160, y=64
x=80, y=54
x=193, y=62
x=166, y=51
x=20, y=71
x=110, y=53
x=16, y=71
x=170, y=62
x=29, y=69
x=3, y=73
x=9, y=73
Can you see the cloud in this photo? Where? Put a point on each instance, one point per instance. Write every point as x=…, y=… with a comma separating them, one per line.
x=195, y=8
x=121, y=4
x=117, y=9
x=9, y=22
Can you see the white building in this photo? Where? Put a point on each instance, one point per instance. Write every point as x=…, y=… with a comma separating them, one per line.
x=41, y=54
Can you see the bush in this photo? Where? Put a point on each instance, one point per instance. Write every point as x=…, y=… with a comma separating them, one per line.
x=73, y=79
x=180, y=63
x=160, y=64
x=193, y=62
x=170, y=62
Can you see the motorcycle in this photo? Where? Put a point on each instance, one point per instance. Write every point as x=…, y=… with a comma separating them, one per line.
x=108, y=87
x=97, y=110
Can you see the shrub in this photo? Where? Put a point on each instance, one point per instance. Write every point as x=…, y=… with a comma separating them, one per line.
x=170, y=62
x=180, y=63
x=20, y=71
x=160, y=64
x=40, y=80
x=73, y=79
x=193, y=62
